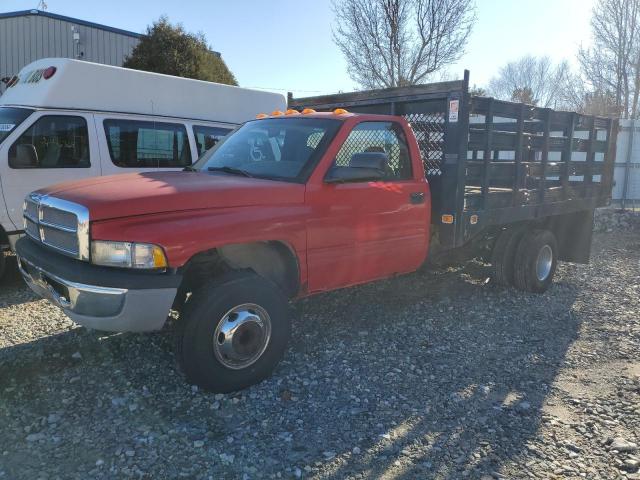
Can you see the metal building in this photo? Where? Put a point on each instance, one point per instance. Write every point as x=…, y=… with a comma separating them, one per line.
x=626, y=190
x=29, y=35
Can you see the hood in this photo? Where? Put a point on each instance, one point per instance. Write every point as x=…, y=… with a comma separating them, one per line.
x=126, y=195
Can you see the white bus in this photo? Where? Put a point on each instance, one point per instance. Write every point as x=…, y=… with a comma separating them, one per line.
x=64, y=119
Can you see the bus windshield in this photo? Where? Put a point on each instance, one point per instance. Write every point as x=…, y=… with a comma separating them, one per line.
x=10, y=118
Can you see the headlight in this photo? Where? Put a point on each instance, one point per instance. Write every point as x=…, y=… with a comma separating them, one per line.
x=127, y=255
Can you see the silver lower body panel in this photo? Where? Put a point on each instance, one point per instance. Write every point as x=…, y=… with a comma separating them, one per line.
x=102, y=308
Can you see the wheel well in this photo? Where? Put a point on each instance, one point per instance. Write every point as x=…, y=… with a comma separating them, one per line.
x=273, y=260
x=573, y=232
x=4, y=239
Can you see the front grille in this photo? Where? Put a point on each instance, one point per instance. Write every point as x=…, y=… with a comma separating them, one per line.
x=31, y=210
x=59, y=224
x=53, y=216
x=67, y=241
x=32, y=229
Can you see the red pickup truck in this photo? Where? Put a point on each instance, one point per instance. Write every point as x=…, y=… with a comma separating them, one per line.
x=288, y=205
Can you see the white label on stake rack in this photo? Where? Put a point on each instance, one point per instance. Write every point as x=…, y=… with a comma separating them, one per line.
x=453, y=110
x=6, y=127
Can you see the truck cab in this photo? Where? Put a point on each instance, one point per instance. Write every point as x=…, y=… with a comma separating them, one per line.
x=291, y=204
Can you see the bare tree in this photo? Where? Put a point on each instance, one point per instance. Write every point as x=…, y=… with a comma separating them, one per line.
x=579, y=96
x=534, y=80
x=599, y=103
x=524, y=95
x=612, y=64
x=477, y=91
x=391, y=43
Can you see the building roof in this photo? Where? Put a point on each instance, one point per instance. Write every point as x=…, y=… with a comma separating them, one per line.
x=42, y=13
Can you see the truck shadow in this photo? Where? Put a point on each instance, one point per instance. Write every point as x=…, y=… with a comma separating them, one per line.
x=463, y=378
x=13, y=290
x=428, y=375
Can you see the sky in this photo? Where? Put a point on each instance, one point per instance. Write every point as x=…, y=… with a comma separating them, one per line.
x=286, y=45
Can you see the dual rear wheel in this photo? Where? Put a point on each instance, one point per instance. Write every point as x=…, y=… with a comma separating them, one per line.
x=3, y=263
x=525, y=258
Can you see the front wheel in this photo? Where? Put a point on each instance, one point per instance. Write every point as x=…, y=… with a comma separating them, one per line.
x=3, y=263
x=233, y=332
x=535, y=262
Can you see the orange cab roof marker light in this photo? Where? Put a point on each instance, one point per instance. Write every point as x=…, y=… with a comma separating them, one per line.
x=261, y=115
x=307, y=111
x=291, y=111
x=340, y=111
x=276, y=113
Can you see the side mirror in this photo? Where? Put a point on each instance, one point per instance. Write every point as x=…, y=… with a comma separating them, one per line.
x=26, y=156
x=365, y=166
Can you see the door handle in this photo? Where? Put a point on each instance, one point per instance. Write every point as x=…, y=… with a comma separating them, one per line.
x=416, y=198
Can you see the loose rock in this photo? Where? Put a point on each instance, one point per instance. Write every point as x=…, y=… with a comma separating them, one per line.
x=622, y=445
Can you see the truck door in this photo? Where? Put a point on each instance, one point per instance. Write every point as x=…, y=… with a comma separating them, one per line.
x=363, y=230
x=51, y=147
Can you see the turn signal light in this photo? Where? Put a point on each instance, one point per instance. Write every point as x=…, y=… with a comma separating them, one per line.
x=340, y=111
x=261, y=115
x=307, y=111
x=276, y=113
x=447, y=218
x=127, y=255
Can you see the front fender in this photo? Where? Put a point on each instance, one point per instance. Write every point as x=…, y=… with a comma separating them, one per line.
x=184, y=234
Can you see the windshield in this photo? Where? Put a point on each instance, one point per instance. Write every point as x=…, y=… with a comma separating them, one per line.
x=10, y=118
x=274, y=148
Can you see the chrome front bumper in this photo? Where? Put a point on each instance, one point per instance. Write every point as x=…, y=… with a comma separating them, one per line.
x=101, y=308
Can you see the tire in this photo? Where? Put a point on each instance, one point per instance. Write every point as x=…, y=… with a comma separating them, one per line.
x=221, y=355
x=3, y=264
x=503, y=255
x=536, y=261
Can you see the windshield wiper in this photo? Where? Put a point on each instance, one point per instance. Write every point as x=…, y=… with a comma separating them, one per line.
x=231, y=170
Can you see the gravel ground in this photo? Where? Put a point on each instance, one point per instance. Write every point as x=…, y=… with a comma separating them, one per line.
x=432, y=375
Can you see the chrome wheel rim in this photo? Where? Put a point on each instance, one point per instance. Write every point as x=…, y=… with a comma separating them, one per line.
x=544, y=263
x=242, y=336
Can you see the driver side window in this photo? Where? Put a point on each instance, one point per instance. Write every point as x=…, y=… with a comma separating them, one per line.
x=53, y=141
x=381, y=137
